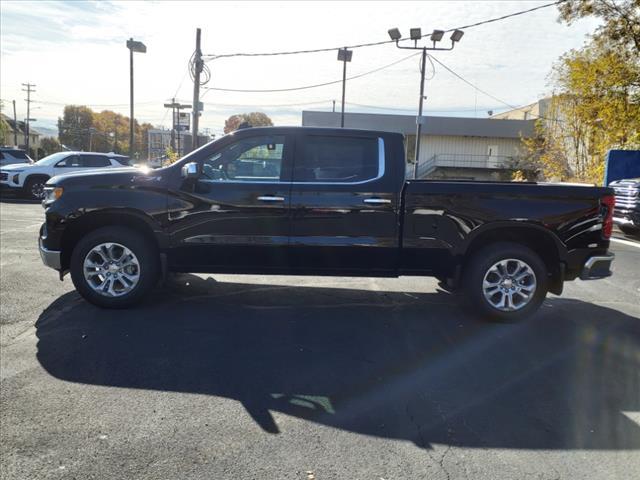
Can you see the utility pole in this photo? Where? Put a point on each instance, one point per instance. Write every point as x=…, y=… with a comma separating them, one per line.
x=416, y=35
x=133, y=46
x=15, y=126
x=175, y=113
x=29, y=91
x=419, y=120
x=344, y=56
x=197, y=64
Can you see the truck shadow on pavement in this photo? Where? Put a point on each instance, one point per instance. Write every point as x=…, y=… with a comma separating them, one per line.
x=387, y=364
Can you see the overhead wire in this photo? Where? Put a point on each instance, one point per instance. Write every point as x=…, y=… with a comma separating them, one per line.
x=382, y=42
x=306, y=87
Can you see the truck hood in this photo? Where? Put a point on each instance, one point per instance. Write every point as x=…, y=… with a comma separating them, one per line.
x=107, y=177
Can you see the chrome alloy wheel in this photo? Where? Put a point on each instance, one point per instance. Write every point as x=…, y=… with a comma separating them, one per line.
x=37, y=190
x=509, y=285
x=111, y=269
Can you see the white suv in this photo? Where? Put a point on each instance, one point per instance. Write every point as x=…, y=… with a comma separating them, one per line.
x=31, y=178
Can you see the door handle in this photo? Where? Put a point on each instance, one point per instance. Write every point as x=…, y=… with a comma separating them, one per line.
x=377, y=201
x=270, y=198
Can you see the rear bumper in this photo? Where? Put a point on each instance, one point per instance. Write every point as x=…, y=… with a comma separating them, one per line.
x=598, y=266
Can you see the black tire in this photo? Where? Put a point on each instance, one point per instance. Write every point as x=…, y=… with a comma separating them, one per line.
x=630, y=230
x=482, y=261
x=142, y=248
x=34, y=187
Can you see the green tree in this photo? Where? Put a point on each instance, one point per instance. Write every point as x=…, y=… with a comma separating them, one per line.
x=620, y=19
x=254, y=119
x=74, y=128
x=4, y=126
x=49, y=145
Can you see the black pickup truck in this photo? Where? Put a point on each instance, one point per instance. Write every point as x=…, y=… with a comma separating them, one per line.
x=311, y=201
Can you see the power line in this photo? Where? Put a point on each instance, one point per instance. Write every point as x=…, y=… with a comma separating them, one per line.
x=306, y=87
x=471, y=84
x=512, y=107
x=408, y=109
x=383, y=42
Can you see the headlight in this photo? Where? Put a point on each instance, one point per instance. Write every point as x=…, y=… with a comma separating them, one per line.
x=51, y=194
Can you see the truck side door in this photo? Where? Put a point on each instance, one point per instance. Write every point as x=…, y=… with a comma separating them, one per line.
x=344, y=207
x=235, y=216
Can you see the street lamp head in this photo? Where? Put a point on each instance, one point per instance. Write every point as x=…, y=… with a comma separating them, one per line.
x=437, y=35
x=136, y=46
x=415, y=34
x=344, y=55
x=456, y=35
x=395, y=34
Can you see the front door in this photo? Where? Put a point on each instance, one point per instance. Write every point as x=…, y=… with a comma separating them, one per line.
x=235, y=216
x=344, y=206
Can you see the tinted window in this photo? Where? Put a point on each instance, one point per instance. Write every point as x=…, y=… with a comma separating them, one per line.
x=336, y=159
x=250, y=160
x=122, y=160
x=18, y=154
x=70, y=161
x=94, y=161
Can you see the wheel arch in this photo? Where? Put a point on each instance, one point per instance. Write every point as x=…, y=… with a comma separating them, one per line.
x=539, y=239
x=34, y=176
x=128, y=218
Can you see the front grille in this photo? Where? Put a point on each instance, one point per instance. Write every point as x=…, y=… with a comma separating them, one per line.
x=4, y=177
x=626, y=196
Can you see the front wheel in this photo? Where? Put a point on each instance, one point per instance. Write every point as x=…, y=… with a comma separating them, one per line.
x=505, y=281
x=114, y=267
x=34, y=187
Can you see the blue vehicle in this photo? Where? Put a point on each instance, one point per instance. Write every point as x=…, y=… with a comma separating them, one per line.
x=623, y=175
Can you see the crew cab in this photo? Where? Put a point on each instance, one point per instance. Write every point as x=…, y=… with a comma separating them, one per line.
x=29, y=178
x=316, y=201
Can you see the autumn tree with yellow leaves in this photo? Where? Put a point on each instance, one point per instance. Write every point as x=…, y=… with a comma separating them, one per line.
x=595, y=104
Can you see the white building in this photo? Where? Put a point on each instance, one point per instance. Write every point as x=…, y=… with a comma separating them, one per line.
x=450, y=147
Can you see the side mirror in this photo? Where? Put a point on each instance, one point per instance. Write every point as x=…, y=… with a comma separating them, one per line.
x=191, y=170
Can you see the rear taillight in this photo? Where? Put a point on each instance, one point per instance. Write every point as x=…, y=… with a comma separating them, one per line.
x=607, y=202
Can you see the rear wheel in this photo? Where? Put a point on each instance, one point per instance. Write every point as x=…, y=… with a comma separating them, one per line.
x=505, y=281
x=114, y=267
x=34, y=187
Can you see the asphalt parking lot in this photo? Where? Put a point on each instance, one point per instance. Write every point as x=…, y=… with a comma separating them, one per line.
x=252, y=377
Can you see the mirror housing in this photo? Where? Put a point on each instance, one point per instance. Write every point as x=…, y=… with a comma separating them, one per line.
x=190, y=170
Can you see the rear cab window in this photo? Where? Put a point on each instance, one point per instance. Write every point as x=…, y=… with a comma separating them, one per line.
x=338, y=159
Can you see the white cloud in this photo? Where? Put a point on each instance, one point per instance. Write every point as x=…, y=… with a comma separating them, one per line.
x=75, y=52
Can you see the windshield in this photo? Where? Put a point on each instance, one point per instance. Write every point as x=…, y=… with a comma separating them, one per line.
x=53, y=158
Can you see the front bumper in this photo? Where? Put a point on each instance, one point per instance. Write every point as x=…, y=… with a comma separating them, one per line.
x=9, y=187
x=598, y=266
x=51, y=258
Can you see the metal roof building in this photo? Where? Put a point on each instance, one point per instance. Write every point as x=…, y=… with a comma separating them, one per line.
x=450, y=147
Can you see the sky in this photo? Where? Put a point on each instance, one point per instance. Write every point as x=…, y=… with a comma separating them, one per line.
x=75, y=52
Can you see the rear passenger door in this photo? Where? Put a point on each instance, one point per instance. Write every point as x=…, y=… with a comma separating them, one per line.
x=344, y=210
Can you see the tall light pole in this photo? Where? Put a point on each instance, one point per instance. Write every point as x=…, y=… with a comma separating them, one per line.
x=133, y=46
x=344, y=56
x=415, y=35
